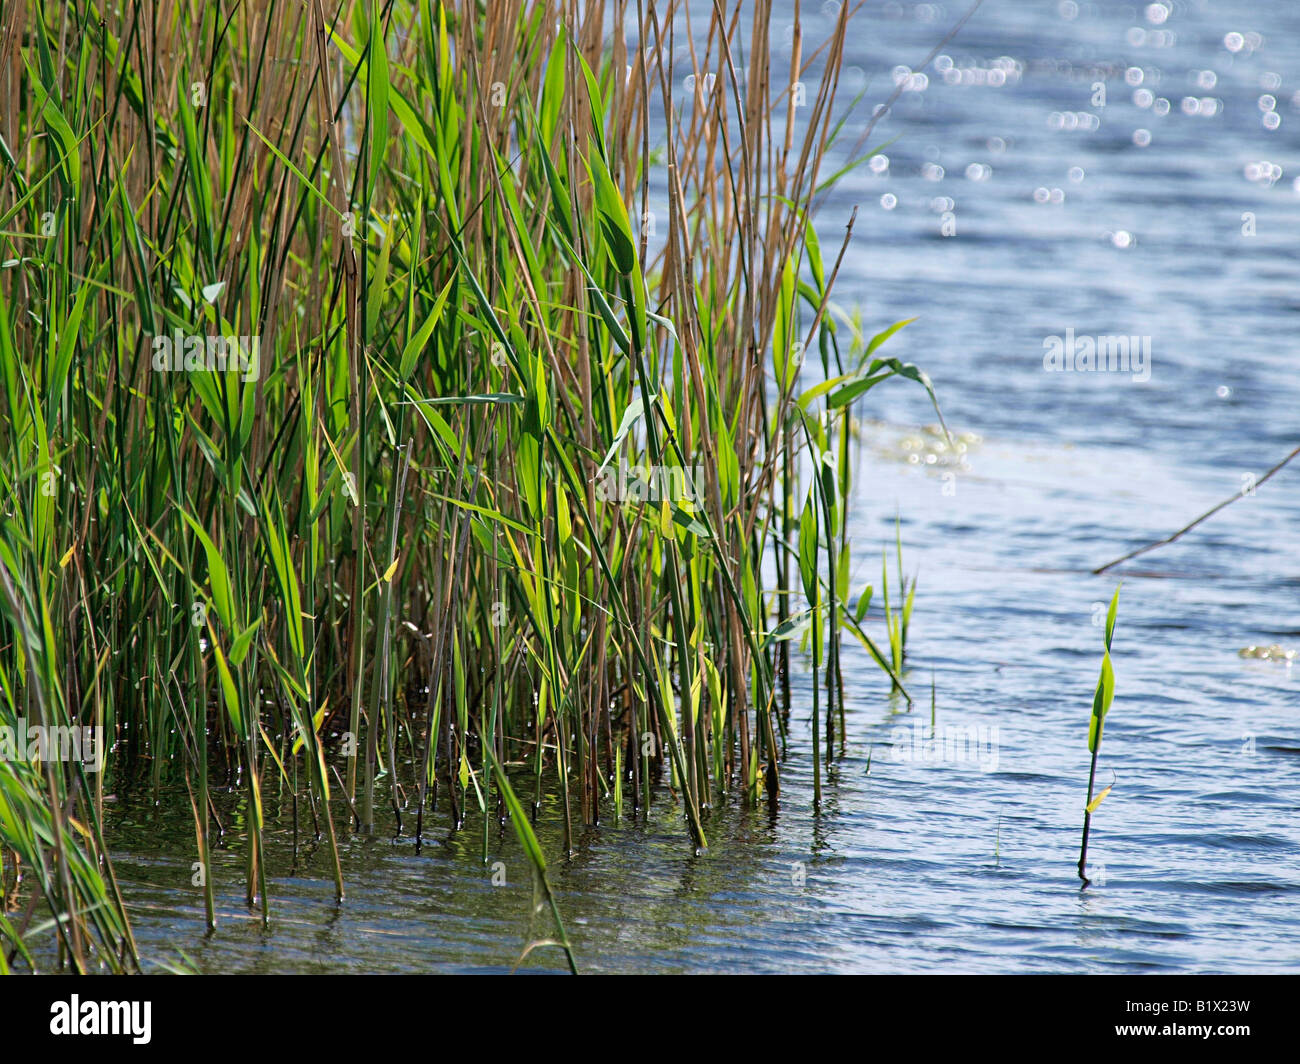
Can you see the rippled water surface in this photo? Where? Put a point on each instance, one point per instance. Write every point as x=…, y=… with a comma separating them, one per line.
x=919, y=865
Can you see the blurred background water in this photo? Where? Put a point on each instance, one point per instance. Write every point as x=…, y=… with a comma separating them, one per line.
x=1169, y=212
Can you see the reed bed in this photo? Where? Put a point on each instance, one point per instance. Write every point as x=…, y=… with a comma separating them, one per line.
x=508, y=485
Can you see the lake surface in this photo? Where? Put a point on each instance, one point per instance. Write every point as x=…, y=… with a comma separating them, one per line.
x=945, y=865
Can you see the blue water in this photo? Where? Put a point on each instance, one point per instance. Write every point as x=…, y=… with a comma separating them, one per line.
x=969, y=865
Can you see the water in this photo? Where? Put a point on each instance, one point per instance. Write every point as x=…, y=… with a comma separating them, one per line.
x=961, y=866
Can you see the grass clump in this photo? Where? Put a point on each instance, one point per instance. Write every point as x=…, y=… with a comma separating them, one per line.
x=368, y=437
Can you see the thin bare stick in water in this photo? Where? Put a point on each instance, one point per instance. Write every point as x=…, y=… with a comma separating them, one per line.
x=1205, y=516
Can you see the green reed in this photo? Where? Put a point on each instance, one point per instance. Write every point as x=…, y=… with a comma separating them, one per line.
x=1101, y=701
x=399, y=557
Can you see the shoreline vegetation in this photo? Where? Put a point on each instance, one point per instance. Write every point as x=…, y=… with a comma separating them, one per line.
x=393, y=557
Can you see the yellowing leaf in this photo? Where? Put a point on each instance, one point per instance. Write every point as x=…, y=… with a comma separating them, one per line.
x=315, y=723
x=1091, y=807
